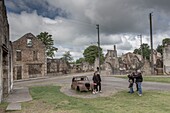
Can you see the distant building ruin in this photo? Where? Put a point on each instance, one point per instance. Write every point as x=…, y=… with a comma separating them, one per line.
x=29, y=57
x=57, y=67
x=166, y=60
x=129, y=62
x=158, y=63
x=111, y=62
x=76, y=68
x=132, y=61
x=123, y=64
x=87, y=67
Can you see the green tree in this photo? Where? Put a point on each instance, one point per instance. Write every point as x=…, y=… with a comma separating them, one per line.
x=145, y=49
x=67, y=56
x=91, y=52
x=80, y=60
x=165, y=42
x=49, y=42
x=160, y=49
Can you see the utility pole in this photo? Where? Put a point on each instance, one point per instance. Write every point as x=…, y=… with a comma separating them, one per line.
x=98, y=44
x=151, y=40
x=140, y=36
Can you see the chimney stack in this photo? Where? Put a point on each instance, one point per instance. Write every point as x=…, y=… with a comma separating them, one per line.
x=115, y=47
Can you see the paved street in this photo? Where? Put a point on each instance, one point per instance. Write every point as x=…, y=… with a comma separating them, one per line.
x=110, y=85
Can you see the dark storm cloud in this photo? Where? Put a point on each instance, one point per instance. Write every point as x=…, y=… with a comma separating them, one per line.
x=121, y=21
x=114, y=16
x=132, y=16
x=41, y=6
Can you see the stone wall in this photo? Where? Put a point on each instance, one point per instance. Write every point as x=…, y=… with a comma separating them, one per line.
x=6, y=81
x=87, y=67
x=111, y=62
x=57, y=67
x=166, y=60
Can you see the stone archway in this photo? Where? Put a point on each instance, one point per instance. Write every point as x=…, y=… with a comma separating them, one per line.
x=110, y=68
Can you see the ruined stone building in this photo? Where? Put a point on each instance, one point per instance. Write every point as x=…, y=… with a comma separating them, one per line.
x=157, y=62
x=166, y=59
x=87, y=67
x=57, y=67
x=6, y=72
x=77, y=68
x=29, y=57
x=111, y=62
x=123, y=64
x=131, y=61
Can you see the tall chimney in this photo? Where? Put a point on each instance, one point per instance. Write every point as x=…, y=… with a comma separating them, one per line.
x=114, y=47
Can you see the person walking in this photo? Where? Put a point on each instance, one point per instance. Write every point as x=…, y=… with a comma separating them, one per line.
x=139, y=80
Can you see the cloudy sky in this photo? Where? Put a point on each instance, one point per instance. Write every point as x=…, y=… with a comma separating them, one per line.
x=72, y=23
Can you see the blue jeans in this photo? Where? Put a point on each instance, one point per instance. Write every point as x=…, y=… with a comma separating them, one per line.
x=139, y=87
x=131, y=90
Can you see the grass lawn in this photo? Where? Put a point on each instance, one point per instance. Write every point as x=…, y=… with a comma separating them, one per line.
x=49, y=99
x=151, y=79
x=158, y=79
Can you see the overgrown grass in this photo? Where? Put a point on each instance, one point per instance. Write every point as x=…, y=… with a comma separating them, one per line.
x=151, y=79
x=3, y=105
x=50, y=100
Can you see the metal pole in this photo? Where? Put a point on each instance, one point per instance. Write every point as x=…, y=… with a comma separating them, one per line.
x=151, y=39
x=98, y=44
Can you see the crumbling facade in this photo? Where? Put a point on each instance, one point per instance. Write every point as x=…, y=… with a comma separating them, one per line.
x=29, y=57
x=77, y=68
x=57, y=67
x=158, y=63
x=123, y=64
x=111, y=62
x=166, y=60
x=131, y=61
x=87, y=67
x=6, y=79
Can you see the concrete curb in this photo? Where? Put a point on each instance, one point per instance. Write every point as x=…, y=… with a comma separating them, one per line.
x=18, y=95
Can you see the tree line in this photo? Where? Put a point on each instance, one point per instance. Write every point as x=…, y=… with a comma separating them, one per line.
x=146, y=51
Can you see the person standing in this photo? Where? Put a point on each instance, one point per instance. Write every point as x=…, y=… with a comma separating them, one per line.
x=131, y=81
x=95, y=80
x=139, y=80
x=134, y=74
x=99, y=80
